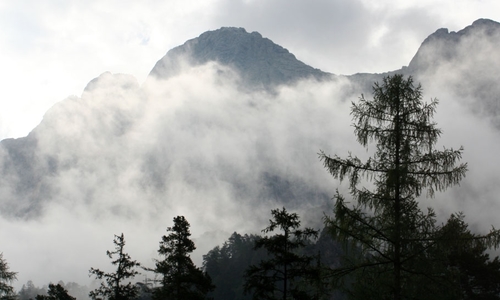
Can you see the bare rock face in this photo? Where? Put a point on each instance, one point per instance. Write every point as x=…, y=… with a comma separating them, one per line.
x=443, y=46
x=466, y=62
x=259, y=61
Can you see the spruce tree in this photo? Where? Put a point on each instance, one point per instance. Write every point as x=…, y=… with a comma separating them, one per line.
x=29, y=291
x=55, y=292
x=227, y=264
x=288, y=273
x=181, y=278
x=6, y=279
x=116, y=286
x=466, y=268
x=384, y=222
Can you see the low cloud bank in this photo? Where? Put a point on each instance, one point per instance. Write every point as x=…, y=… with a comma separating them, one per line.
x=126, y=158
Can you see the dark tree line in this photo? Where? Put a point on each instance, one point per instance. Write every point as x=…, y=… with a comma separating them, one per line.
x=72, y=289
x=55, y=292
x=226, y=265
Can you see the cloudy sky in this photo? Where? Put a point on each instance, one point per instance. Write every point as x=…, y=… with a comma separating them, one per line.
x=51, y=49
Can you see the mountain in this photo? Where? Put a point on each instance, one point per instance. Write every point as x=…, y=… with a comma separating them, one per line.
x=467, y=62
x=443, y=46
x=191, y=139
x=464, y=62
x=259, y=61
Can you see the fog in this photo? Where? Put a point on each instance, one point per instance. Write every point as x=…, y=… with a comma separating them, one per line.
x=128, y=157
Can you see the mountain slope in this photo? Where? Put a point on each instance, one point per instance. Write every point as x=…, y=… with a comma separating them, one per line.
x=443, y=46
x=463, y=63
x=193, y=137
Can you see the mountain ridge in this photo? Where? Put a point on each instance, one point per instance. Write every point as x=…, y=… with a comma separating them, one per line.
x=446, y=42
x=29, y=165
x=259, y=61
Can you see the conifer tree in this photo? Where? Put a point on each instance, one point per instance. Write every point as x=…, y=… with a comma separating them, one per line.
x=227, y=264
x=467, y=272
x=29, y=291
x=385, y=222
x=6, y=279
x=55, y=292
x=283, y=275
x=181, y=278
x=115, y=285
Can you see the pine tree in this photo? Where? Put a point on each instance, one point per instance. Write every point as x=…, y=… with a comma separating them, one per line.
x=227, y=264
x=283, y=275
x=114, y=287
x=466, y=267
x=55, y=292
x=181, y=278
x=385, y=223
x=29, y=291
x=6, y=279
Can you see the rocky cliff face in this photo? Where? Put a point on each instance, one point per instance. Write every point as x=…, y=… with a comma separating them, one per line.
x=259, y=61
x=444, y=46
x=466, y=62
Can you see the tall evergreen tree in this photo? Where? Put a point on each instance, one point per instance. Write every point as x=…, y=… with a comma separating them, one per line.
x=114, y=287
x=181, y=278
x=283, y=274
x=6, y=279
x=227, y=264
x=466, y=268
x=30, y=291
x=55, y=292
x=385, y=222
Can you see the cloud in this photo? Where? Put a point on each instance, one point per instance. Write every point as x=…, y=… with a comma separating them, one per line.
x=469, y=116
x=129, y=159
x=341, y=37
x=331, y=26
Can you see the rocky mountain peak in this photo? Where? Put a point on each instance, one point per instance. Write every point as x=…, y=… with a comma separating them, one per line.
x=443, y=45
x=259, y=61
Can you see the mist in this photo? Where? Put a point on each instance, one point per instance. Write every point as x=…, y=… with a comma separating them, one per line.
x=128, y=157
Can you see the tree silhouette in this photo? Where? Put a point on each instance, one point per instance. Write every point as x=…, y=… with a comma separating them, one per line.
x=283, y=274
x=113, y=288
x=385, y=222
x=227, y=264
x=468, y=272
x=181, y=278
x=55, y=292
x=6, y=279
x=30, y=291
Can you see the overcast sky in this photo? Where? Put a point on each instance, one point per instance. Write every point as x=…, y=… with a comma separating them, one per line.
x=51, y=49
